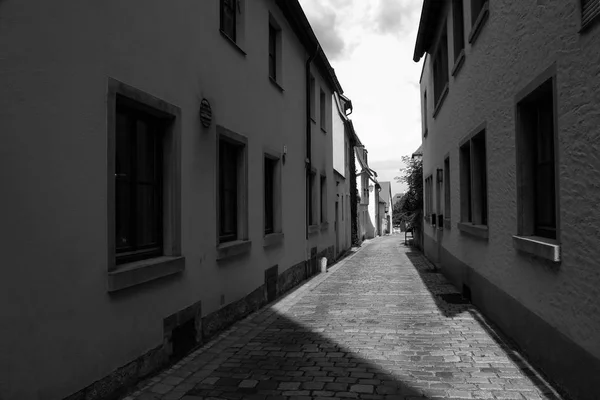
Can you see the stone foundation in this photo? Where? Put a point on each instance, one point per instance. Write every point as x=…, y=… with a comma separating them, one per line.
x=118, y=382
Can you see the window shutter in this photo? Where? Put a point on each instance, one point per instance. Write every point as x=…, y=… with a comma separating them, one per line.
x=590, y=9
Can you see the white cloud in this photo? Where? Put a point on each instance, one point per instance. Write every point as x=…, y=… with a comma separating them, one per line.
x=370, y=44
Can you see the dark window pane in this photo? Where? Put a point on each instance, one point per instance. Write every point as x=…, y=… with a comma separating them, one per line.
x=545, y=200
x=272, y=52
x=146, y=208
x=476, y=6
x=459, y=30
x=138, y=187
x=123, y=215
x=269, y=194
x=228, y=16
x=228, y=184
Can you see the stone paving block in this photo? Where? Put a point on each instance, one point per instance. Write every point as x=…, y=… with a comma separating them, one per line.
x=372, y=328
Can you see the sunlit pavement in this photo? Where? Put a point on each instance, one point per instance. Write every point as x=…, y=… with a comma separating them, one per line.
x=373, y=327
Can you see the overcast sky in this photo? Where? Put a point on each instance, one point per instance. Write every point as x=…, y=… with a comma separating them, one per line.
x=370, y=44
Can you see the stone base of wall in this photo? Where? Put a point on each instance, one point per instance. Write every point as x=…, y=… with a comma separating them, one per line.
x=204, y=328
x=115, y=385
x=565, y=363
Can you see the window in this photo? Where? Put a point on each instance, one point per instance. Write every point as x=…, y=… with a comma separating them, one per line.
x=473, y=173
x=143, y=187
x=590, y=10
x=440, y=68
x=229, y=18
x=269, y=181
x=536, y=163
x=312, y=220
x=323, y=199
x=447, y=200
x=323, y=108
x=272, y=52
x=479, y=14
x=232, y=191
x=459, y=29
x=425, y=115
x=138, y=185
x=312, y=97
x=476, y=8
x=428, y=197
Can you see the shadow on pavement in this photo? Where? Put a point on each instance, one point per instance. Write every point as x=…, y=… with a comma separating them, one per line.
x=289, y=359
x=451, y=304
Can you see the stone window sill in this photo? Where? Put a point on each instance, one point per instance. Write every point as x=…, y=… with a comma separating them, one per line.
x=232, y=42
x=425, y=132
x=272, y=239
x=547, y=249
x=479, y=22
x=138, y=272
x=458, y=63
x=313, y=229
x=323, y=130
x=231, y=249
x=479, y=231
x=440, y=101
x=277, y=85
x=324, y=226
x=312, y=118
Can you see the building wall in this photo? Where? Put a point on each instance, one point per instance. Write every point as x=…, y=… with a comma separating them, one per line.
x=61, y=328
x=497, y=66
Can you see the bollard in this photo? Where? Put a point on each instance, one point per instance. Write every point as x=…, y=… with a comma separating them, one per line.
x=323, y=264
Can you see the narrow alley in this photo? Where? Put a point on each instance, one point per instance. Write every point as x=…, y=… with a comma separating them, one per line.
x=379, y=325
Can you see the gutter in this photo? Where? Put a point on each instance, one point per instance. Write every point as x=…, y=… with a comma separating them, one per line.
x=308, y=161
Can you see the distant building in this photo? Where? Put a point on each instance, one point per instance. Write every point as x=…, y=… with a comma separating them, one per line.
x=510, y=100
x=386, y=207
x=397, y=197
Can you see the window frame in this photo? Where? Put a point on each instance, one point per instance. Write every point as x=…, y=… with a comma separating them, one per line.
x=447, y=193
x=458, y=35
x=313, y=101
x=171, y=261
x=223, y=14
x=589, y=13
x=478, y=19
x=425, y=114
x=323, y=199
x=136, y=251
x=474, y=188
x=323, y=109
x=527, y=194
x=440, y=73
x=274, y=52
x=224, y=134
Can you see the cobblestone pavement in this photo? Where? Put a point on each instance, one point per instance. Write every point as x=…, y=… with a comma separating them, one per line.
x=373, y=327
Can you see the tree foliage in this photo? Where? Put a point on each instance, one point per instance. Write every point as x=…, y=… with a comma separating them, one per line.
x=409, y=209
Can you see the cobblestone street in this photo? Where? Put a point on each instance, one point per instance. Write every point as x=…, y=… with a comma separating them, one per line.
x=373, y=327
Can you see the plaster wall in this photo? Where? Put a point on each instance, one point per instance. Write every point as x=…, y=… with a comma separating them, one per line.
x=496, y=67
x=61, y=329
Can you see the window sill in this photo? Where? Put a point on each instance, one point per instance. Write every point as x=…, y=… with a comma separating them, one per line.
x=277, y=85
x=479, y=22
x=313, y=229
x=314, y=121
x=479, y=231
x=138, y=272
x=447, y=223
x=547, y=249
x=458, y=63
x=233, y=43
x=231, y=249
x=425, y=132
x=440, y=101
x=587, y=24
x=324, y=226
x=323, y=130
x=272, y=239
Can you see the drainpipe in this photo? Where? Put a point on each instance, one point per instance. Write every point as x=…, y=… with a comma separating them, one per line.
x=308, y=161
